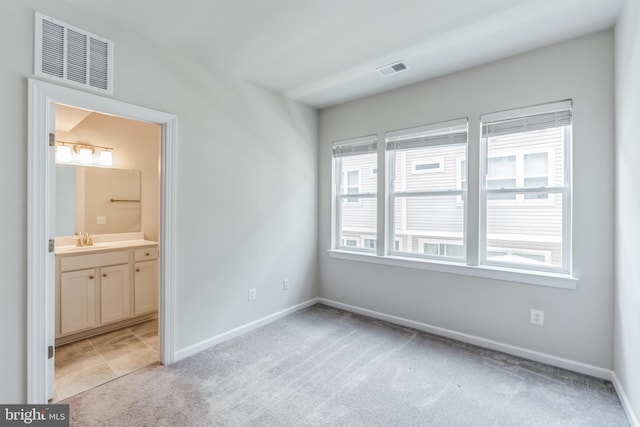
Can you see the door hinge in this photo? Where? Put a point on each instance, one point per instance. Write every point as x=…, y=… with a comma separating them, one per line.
x=52, y=139
x=50, y=352
x=52, y=245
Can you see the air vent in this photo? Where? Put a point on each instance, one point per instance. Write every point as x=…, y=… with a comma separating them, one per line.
x=391, y=69
x=67, y=53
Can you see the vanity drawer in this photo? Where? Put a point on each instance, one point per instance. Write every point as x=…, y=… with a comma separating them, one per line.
x=79, y=262
x=145, y=254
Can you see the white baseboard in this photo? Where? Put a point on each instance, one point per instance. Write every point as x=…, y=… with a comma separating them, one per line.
x=210, y=342
x=548, y=359
x=626, y=403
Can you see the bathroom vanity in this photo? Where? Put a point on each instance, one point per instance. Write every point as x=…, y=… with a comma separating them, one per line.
x=106, y=286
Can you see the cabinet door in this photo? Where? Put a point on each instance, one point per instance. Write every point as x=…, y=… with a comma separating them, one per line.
x=77, y=300
x=146, y=287
x=114, y=293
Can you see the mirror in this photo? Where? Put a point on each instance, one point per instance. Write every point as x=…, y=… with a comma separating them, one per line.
x=97, y=200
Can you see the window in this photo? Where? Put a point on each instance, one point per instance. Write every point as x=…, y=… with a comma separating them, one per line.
x=525, y=187
x=370, y=243
x=353, y=185
x=424, y=205
x=434, y=247
x=355, y=205
x=426, y=166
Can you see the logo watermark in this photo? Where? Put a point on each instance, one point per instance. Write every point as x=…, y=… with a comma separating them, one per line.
x=56, y=415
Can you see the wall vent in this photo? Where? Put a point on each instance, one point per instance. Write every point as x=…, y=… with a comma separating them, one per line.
x=67, y=53
x=391, y=69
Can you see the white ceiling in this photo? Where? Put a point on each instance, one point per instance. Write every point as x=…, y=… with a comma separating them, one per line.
x=323, y=52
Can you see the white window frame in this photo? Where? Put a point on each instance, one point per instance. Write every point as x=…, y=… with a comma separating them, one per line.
x=443, y=131
x=564, y=189
x=422, y=241
x=342, y=148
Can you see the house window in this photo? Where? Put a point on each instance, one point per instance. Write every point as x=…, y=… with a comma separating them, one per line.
x=369, y=243
x=352, y=185
x=423, y=204
x=350, y=242
x=525, y=187
x=442, y=248
x=427, y=166
x=355, y=206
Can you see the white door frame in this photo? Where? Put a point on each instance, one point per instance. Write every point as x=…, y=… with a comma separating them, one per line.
x=40, y=228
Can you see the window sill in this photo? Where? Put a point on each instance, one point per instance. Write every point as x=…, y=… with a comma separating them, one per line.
x=539, y=278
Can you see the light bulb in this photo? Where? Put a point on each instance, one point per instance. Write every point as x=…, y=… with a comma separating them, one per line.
x=106, y=159
x=85, y=156
x=63, y=154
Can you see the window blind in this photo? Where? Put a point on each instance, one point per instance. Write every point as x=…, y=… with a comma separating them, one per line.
x=355, y=147
x=445, y=133
x=544, y=117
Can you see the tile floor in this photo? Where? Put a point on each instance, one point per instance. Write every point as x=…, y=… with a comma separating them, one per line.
x=85, y=364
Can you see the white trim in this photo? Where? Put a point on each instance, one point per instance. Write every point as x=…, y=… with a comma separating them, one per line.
x=39, y=229
x=529, y=277
x=624, y=400
x=210, y=342
x=536, y=356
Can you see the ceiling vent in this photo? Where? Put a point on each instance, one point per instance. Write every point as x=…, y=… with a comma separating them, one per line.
x=67, y=53
x=391, y=69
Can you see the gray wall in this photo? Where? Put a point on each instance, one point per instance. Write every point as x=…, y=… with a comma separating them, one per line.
x=235, y=230
x=578, y=323
x=627, y=304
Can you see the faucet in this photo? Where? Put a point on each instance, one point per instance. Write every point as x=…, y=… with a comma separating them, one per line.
x=83, y=240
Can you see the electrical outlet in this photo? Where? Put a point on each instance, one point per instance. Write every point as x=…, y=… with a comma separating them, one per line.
x=101, y=219
x=252, y=294
x=537, y=317
x=285, y=285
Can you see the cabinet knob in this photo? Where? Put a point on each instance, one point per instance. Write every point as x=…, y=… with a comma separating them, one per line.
x=90, y=277
x=147, y=254
x=104, y=275
x=137, y=269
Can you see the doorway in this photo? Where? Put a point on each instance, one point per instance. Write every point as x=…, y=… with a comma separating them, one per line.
x=41, y=226
x=107, y=187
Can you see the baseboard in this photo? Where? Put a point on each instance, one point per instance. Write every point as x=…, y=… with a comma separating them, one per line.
x=624, y=399
x=210, y=342
x=548, y=359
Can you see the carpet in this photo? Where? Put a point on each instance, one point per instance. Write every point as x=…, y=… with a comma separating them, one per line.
x=326, y=367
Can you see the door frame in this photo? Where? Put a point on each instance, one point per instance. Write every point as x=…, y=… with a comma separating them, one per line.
x=40, y=225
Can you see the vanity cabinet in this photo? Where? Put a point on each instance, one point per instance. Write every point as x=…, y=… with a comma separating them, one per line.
x=98, y=290
x=115, y=293
x=145, y=279
x=77, y=300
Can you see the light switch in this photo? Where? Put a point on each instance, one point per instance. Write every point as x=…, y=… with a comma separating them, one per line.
x=101, y=220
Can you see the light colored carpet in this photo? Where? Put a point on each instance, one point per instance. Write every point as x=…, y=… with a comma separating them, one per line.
x=326, y=367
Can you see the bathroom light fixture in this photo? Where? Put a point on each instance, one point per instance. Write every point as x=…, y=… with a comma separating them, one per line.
x=83, y=154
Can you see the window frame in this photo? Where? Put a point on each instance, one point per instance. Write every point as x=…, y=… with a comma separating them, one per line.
x=564, y=189
x=356, y=146
x=449, y=127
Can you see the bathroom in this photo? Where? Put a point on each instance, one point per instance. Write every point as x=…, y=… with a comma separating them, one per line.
x=107, y=231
